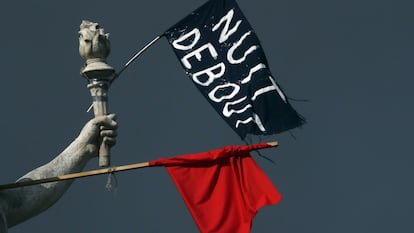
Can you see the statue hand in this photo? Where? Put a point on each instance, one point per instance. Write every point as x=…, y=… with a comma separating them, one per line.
x=99, y=127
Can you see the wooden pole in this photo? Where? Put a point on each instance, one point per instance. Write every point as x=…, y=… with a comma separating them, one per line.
x=75, y=175
x=86, y=173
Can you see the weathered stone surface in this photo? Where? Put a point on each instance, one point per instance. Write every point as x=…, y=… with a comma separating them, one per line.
x=20, y=204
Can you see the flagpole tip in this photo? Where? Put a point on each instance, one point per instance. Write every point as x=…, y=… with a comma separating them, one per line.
x=273, y=144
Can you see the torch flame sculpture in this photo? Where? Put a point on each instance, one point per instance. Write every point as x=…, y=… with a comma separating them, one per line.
x=94, y=48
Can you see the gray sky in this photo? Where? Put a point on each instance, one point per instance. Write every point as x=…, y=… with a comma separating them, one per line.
x=349, y=169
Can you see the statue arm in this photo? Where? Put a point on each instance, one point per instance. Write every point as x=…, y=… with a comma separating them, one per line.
x=23, y=203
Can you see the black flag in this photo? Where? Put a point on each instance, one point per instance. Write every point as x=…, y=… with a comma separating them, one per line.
x=223, y=57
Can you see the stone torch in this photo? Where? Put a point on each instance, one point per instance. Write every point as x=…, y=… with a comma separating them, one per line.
x=94, y=48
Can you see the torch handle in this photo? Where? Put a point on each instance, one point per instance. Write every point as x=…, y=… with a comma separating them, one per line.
x=100, y=103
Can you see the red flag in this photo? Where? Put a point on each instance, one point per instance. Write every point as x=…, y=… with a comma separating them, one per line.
x=223, y=188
